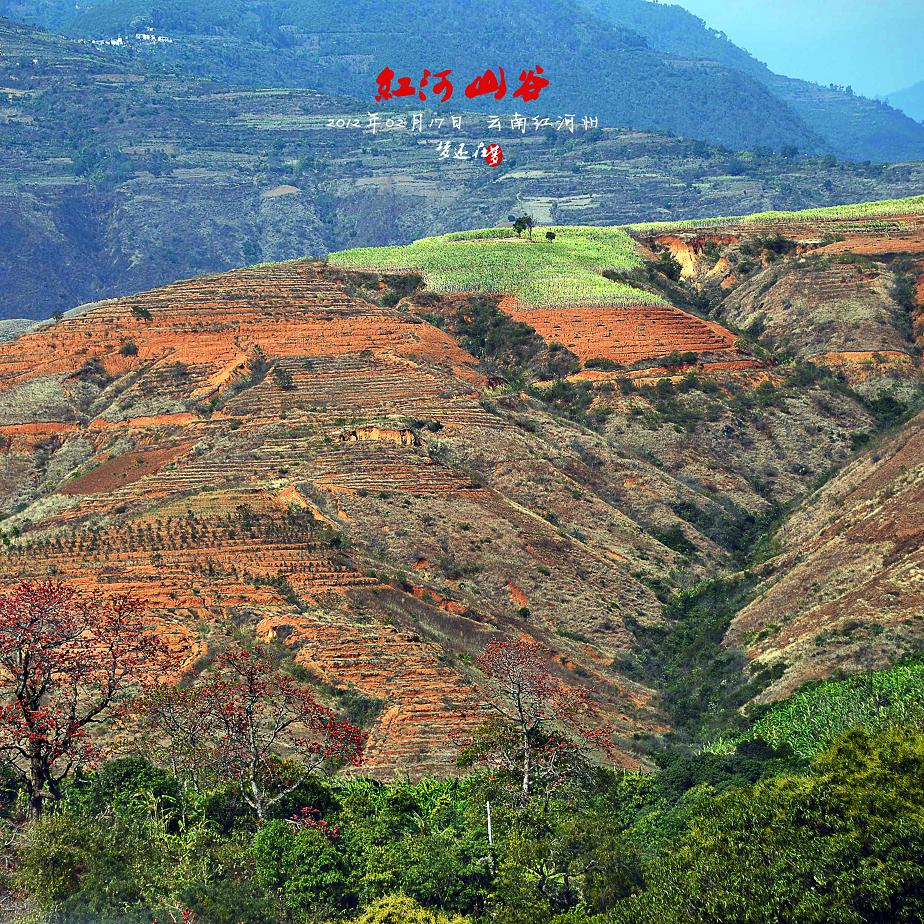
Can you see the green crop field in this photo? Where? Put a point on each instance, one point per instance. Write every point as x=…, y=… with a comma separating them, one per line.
x=813, y=716
x=861, y=211
x=540, y=273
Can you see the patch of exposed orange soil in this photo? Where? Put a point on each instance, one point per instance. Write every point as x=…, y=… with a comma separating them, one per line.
x=26, y=437
x=745, y=373
x=688, y=251
x=206, y=324
x=626, y=334
x=398, y=436
x=903, y=234
x=517, y=597
x=423, y=700
x=635, y=484
x=431, y=596
x=123, y=470
x=145, y=422
x=910, y=242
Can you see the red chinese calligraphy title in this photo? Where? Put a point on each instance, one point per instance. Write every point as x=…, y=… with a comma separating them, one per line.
x=532, y=83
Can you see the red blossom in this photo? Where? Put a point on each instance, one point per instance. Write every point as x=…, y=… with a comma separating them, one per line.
x=309, y=817
x=540, y=724
x=65, y=660
x=237, y=721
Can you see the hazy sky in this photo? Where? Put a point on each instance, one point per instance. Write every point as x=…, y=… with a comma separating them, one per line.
x=877, y=46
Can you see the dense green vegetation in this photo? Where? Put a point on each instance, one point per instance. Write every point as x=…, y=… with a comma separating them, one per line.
x=753, y=835
x=238, y=798
x=702, y=682
x=840, y=842
x=808, y=720
x=540, y=273
x=510, y=348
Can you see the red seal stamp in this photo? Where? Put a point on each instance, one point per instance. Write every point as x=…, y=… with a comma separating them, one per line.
x=493, y=155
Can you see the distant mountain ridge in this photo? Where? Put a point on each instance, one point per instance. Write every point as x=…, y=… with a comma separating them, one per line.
x=910, y=101
x=636, y=64
x=855, y=127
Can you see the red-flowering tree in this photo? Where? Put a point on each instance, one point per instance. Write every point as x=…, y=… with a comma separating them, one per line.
x=66, y=658
x=183, y=736
x=539, y=726
x=242, y=717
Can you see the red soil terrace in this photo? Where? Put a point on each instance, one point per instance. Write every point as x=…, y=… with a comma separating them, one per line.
x=213, y=494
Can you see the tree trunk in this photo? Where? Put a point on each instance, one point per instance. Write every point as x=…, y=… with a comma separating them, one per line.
x=38, y=777
x=257, y=802
x=527, y=767
x=36, y=806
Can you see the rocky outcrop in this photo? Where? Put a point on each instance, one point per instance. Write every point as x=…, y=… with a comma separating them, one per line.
x=695, y=252
x=375, y=434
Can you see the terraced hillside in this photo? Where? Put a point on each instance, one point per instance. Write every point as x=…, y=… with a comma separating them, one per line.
x=847, y=589
x=833, y=293
x=270, y=450
x=842, y=290
x=558, y=287
x=838, y=287
x=341, y=49
x=375, y=477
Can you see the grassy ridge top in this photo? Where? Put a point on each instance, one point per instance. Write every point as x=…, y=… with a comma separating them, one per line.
x=540, y=273
x=568, y=271
x=860, y=211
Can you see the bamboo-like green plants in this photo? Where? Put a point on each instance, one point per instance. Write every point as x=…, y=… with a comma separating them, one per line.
x=816, y=714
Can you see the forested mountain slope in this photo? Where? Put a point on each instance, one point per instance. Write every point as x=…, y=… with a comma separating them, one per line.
x=120, y=176
x=608, y=52
x=852, y=126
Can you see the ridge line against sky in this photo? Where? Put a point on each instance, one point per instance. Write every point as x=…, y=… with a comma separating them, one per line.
x=873, y=45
